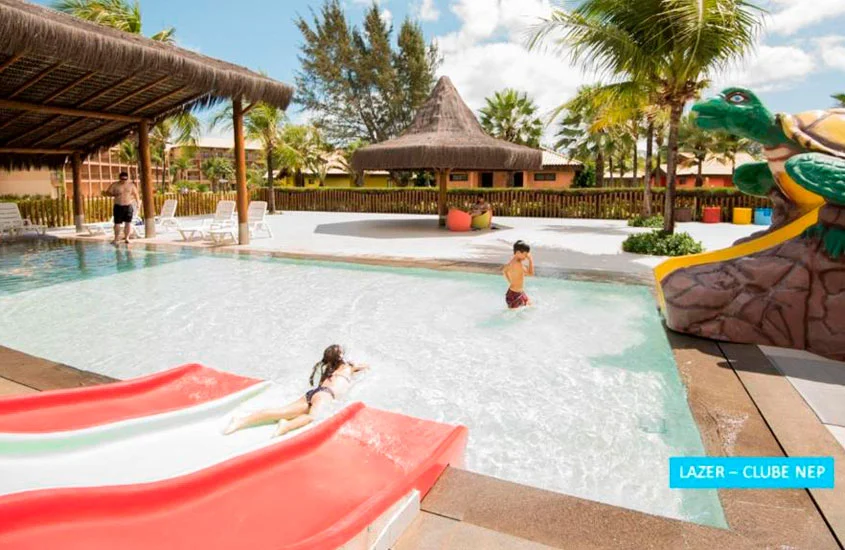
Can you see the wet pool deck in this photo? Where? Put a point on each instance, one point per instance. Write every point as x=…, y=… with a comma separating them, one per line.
x=742, y=405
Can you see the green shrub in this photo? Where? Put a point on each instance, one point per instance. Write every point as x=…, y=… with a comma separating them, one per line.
x=660, y=243
x=646, y=221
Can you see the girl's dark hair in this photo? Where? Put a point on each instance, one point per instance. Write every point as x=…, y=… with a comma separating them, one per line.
x=332, y=360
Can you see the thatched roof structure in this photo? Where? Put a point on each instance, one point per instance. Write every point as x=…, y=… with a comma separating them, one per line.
x=68, y=66
x=446, y=135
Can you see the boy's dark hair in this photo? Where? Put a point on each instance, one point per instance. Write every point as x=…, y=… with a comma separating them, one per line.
x=520, y=246
x=123, y=175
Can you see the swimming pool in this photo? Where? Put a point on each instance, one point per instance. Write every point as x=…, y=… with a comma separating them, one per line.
x=579, y=394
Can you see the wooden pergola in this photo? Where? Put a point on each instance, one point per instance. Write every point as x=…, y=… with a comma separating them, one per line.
x=445, y=136
x=69, y=88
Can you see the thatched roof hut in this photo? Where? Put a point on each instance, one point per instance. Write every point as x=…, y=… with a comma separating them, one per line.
x=69, y=68
x=446, y=135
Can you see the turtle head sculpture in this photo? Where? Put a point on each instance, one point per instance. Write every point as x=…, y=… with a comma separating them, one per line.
x=739, y=112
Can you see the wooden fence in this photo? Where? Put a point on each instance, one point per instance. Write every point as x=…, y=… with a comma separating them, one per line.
x=617, y=204
x=59, y=212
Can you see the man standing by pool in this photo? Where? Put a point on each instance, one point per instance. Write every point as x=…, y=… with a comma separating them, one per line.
x=125, y=195
x=515, y=272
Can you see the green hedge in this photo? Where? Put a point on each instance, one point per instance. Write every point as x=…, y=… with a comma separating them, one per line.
x=659, y=243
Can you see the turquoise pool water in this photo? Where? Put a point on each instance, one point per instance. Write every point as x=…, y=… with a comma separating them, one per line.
x=579, y=394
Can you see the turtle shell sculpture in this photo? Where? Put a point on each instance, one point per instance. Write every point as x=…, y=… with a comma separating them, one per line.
x=784, y=290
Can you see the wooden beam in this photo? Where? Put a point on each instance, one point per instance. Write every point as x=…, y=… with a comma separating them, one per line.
x=138, y=91
x=72, y=85
x=78, y=208
x=9, y=62
x=35, y=151
x=155, y=102
x=111, y=105
x=240, y=170
x=78, y=81
x=65, y=111
x=441, y=197
x=146, y=179
x=249, y=107
x=35, y=79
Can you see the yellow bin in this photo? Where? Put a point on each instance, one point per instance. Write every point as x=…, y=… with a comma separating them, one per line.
x=742, y=216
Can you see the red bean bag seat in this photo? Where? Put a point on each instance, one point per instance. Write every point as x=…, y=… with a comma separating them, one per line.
x=458, y=220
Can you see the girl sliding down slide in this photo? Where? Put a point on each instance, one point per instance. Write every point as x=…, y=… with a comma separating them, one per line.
x=335, y=379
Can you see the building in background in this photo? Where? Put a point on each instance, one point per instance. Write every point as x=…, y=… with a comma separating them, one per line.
x=46, y=183
x=558, y=172
x=715, y=172
x=210, y=147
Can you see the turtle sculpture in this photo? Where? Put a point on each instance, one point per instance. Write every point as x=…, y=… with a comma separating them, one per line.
x=788, y=289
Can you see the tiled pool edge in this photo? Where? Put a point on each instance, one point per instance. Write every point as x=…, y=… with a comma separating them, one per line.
x=717, y=399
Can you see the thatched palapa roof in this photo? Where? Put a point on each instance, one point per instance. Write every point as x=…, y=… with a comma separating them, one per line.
x=51, y=59
x=446, y=135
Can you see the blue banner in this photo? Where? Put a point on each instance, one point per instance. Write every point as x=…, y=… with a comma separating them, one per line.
x=711, y=472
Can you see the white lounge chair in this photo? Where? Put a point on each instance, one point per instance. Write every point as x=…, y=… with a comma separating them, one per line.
x=13, y=223
x=256, y=211
x=167, y=219
x=224, y=217
x=255, y=214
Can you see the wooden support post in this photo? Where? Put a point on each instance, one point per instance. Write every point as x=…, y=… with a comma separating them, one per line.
x=78, y=209
x=441, y=197
x=240, y=171
x=146, y=179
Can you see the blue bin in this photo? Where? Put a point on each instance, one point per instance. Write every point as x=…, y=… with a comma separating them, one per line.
x=762, y=216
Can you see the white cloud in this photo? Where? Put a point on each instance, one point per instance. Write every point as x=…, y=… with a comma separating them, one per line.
x=769, y=68
x=488, y=53
x=832, y=51
x=790, y=16
x=386, y=16
x=427, y=11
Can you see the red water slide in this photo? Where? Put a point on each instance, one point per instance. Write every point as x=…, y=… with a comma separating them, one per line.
x=316, y=490
x=77, y=408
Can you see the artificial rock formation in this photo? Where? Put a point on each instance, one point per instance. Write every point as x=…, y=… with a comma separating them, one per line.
x=791, y=295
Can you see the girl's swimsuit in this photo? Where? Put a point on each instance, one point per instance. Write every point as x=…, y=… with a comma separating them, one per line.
x=311, y=393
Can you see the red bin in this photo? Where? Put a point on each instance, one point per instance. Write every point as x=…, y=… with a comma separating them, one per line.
x=712, y=214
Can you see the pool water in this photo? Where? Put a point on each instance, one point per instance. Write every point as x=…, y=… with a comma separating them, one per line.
x=579, y=394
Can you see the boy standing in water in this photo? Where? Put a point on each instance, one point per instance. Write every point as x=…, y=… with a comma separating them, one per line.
x=515, y=272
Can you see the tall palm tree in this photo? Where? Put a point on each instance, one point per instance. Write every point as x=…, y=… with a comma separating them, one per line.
x=262, y=123
x=180, y=129
x=512, y=116
x=675, y=44
x=180, y=166
x=697, y=142
x=579, y=135
x=840, y=99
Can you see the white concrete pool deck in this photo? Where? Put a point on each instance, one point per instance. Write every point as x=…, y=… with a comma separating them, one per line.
x=573, y=244
x=582, y=245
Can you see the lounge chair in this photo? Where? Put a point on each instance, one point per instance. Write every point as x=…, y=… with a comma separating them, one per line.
x=256, y=211
x=106, y=228
x=13, y=223
x=167, y=219
x=224, y=218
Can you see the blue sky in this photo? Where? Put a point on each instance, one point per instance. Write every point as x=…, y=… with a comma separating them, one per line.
x=799, y=61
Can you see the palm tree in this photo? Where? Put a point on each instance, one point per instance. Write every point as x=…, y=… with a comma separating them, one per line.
x=696, y=141
x=578, y=134
x=117, y=14
x=262, y=123
x=180, y=166
x=300, y=148
x=180, y=129
x=512, y=116
x=216, y=169
x=727, y=146
x=840, y=99
x=674, y=44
